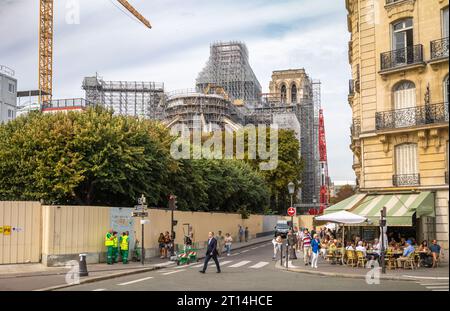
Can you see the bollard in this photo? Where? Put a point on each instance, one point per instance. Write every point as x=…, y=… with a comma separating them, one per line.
x=83, y=266
x=281, y=254
x=287, y=256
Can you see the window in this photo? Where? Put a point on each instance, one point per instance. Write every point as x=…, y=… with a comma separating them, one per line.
x=11, y=88
x=404, y=103
x=445, y=24
x=406, y=165
x=294, y=94
x=283, y=93
x=402, y=39
x=10, y=114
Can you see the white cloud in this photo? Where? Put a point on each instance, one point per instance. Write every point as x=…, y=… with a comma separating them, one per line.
x=279, y=35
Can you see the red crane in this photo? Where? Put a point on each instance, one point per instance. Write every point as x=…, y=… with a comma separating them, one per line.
x=324, y=199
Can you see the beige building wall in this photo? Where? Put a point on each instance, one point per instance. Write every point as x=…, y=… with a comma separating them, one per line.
x=370, y=23
x=20, y=232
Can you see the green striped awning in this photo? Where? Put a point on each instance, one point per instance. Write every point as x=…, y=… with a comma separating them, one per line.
x=400, y=208
x=346, y=204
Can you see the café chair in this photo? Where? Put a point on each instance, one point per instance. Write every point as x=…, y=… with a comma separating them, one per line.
x=351, y=258
x=410, y=262
x=391, y=262
x=361, y=259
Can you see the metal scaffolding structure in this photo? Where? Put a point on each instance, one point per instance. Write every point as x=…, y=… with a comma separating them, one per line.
x=132, y=98
x=228, y=66
x=201, y=112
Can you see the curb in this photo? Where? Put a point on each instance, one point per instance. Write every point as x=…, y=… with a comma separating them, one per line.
x=352, y=276
x=124, y=273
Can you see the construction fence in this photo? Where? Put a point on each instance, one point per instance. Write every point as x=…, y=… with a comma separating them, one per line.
x=33, y=233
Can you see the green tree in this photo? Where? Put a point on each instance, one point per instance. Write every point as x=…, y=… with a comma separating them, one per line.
x=83, y=158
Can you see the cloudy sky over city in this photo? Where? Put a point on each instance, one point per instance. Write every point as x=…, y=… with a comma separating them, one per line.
x=279, y=35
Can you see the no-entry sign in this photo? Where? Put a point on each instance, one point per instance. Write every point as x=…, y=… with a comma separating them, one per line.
x=291, y=211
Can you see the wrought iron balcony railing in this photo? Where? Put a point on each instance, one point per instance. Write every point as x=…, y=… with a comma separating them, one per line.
x=402, y=57
x=393, y=1
x=406, y=180
x=439, y=48
x=356, y=128
x=415, y=116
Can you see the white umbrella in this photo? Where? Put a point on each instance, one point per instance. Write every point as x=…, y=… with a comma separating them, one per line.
x=342, y=217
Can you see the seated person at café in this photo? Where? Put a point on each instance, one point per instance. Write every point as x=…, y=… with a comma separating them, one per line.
x=435, y=252
x=349, y=247
x=324, y=247
x=376, y=249
x=403, y=242
x=406, y=252
x=361, y=248
x=425, y=255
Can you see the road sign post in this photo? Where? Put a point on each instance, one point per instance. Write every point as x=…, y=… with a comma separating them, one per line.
x=140, y=210
x=292, y=211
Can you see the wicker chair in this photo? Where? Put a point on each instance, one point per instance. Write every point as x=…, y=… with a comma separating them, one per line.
x=361, y=259
x=391, y=262
x=351, y=258
x=410, y=263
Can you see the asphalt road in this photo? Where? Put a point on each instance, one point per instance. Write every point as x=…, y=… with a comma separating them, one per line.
x=247, y=269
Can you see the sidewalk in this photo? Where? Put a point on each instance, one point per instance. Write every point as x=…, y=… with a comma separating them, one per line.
x=327, y=269
x=39, y=277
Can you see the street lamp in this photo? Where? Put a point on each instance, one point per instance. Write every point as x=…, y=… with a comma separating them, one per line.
x=291, y=189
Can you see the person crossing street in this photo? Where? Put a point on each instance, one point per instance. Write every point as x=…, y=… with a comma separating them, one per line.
x=211, y=252
x=124, y=246
x=109, y=243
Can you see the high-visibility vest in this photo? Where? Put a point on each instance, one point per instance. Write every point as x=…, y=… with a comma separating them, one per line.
x=115, y=242
x=108, y=241
x=124, y=243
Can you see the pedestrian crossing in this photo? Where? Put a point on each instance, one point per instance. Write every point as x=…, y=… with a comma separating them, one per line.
x=435, y=286
x=236, y=264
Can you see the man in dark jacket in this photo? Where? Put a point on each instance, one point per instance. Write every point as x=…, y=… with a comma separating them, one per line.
x=211, y=252
x=292, y=242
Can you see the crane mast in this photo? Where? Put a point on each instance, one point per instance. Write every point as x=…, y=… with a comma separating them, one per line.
x=46, y=23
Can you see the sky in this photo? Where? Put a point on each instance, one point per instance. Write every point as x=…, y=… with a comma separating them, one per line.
x=98, y=36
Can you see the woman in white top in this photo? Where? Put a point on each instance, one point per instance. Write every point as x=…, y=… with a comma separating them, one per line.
x=361, y=248
x=276, y=246
x=228, y=240
x=349, y=247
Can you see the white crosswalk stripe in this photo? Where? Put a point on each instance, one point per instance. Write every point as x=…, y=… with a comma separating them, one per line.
x=172, y=272
x=240, y=264
x=135, y=281
x=435, y=286
x=164, y=264
x=98, y=290
x=259, y=265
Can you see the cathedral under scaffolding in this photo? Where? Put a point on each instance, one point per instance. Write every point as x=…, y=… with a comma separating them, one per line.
x=227, y=95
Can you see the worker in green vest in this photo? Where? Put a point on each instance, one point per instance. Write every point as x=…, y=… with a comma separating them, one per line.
x=124, y=240
x=109, y=243
x=115, y=248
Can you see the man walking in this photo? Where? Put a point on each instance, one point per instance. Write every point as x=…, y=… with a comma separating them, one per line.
x=246, y=234
x=124, y=244
x=241, y=234
x=211, y=252
x=306, y=247
x=109, y=243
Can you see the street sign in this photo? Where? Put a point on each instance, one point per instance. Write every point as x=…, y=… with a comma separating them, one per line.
x=291, y=211
x=145, y=221
x=139, y=214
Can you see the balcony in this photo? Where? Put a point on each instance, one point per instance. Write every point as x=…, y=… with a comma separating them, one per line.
x=439, y=49
x=393, y=1
x=411, y=117
x=406, y=180
x=410, y=56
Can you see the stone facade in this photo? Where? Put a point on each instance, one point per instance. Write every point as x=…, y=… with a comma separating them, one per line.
x=399, y=97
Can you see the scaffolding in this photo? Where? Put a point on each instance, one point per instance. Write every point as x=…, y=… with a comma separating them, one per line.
x=228, y=67
x=131, y=98
x=201, y=112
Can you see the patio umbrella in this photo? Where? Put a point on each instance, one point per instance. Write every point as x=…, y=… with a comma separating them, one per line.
x=342, y=217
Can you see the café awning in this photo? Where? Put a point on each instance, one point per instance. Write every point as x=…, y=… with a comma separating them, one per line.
x=341, y=217
x=400, y=208
x=346, y=204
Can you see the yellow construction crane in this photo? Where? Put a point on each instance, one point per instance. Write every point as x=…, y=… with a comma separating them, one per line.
x=46, y=45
